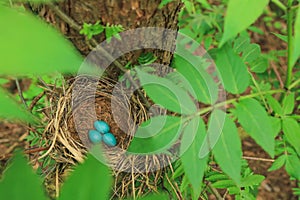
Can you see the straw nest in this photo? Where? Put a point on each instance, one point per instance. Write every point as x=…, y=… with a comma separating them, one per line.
x=134, y=174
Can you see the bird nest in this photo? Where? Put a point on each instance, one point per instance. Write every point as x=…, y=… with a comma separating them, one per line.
x=67, y=136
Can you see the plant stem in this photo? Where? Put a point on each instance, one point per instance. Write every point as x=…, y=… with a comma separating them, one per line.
x=230, y=101
x=294, y=84
x=289, y=72
x=280, y=5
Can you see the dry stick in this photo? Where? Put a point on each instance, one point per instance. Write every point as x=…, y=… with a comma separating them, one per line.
x=214, y=191
x=77, y=27
x=258, y=159
x=277, y=75
x=21, y=93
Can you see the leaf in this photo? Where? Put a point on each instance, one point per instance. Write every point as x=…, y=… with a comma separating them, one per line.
x=228, y=147
x=241, y=43
x=292, y=166
x=163, y=3
x=278, y=163
x=282, y=37
x=35, y=1
x=165, y=93
x=256, y=123
x=156, y=135
x=276, y=125
x=232, y=70
x=288, y=103
x=194, y=167
x=93, y=176
x=251, y=53
x=20, y=182
x=113, y=31
x=291, y=130
x=275, y=105
x=296, y=45
x=252, y=180
x=240, y=15
x=10, y=109
x=204, y=87
x=223, y=184
x=215, y=127
x=42, y=51
x=260, y=65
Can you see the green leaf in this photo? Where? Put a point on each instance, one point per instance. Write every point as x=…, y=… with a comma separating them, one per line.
x=156, y=135
x=40, y=50
x=232, y=70
x=276, y=125
x=292, y=166
x=20, y=182
x=228, y=147
x=255, y=121
x=288, y=103
x=296, y=45
x=240, y=15
x=9, y=109
x=204, y=87
x=278, y=163
x=165, y=93
x=241, y=43
x=215, y=127
x=275, y=105
x=260, y=65
x=194, y=167
x=113, y=31
x=35, y=1
x=163, y=3
x=252, y=180
x=251, y=53
x=223, y=184
x=291, y=130
x=93, y=176
x=282, y=37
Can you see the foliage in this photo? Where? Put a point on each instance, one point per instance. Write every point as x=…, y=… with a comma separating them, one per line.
x=20, y=182
x=91, y=30
x=260, y=106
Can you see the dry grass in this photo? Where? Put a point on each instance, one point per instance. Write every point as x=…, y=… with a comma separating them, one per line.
x=135, y=175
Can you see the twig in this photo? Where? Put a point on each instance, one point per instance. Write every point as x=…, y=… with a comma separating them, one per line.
x=56, y=183
x=214, y=191
x=258, y=159
x=21, y=93
x=77, y=27
x=277, y=75
x=35, y=100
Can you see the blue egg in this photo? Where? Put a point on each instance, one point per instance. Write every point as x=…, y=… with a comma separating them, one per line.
x=101, y=126
x=94, y=136
x=109, y=139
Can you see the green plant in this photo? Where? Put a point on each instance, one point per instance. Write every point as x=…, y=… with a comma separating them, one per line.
x=272, y=122
x=20, y=182
x=91, y=30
